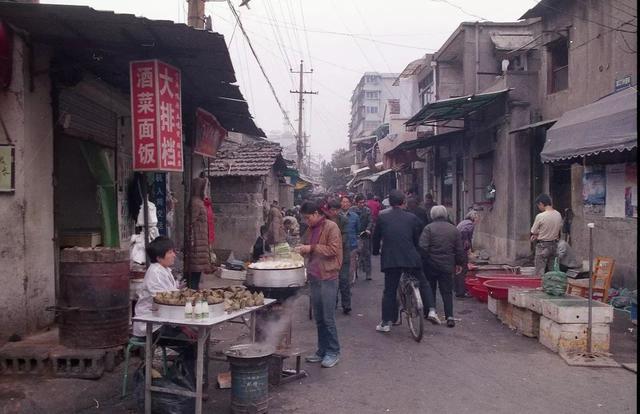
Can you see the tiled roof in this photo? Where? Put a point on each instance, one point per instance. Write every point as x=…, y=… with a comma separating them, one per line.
x=246, y=160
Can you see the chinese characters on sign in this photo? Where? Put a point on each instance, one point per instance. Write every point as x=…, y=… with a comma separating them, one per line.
x=160, y=200
x=209, y=134
x=156, y=110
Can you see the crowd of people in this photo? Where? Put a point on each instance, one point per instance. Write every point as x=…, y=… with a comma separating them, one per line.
x=344, y=232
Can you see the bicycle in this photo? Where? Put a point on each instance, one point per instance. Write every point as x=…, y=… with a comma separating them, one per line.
x=410, y=304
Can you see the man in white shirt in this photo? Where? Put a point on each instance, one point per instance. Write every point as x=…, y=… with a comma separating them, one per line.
x=546, y=233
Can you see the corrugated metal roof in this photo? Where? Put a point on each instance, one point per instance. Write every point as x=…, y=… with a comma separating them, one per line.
x=246, y=160
x=104, y=42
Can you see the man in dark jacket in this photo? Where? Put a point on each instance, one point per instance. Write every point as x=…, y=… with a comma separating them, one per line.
x=398, y=231
x=414, y=207
x=442, y=248
x=364, y=236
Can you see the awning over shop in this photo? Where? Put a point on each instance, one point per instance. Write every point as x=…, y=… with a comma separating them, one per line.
x=534, y=125
x=103, y=42
x=454, y=108
x=426, y=141
x=376, y=176
x=607, y=125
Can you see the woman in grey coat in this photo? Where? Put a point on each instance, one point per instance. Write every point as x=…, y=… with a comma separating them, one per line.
x=442, y=250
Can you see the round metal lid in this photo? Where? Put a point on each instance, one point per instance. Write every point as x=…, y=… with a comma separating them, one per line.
x=256, y=350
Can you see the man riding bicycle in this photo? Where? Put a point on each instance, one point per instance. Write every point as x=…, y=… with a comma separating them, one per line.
x=364, y=236
x=399, y=232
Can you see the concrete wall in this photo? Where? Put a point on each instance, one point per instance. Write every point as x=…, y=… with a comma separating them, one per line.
x=238, y=209
x=612, y=236
x=27, y=268
x=597, y=55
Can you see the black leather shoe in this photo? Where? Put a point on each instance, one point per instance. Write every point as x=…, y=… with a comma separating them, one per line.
x=346, y=311
x=451, y=323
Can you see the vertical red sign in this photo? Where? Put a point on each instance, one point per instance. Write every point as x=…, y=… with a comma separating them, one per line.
x=156, y=111
x=209, y=134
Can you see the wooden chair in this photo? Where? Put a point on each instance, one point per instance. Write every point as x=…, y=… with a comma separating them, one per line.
x=600, y=281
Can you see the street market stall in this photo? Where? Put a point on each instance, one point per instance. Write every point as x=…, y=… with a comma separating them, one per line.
x=203, y=327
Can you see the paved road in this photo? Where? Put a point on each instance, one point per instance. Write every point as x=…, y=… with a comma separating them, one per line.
x=480, y=366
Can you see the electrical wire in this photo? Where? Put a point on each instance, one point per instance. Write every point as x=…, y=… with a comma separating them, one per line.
x=294, y=23
x=630, y=13
x=352, y=35
x=278, y=36
x=306, y=36
x=264, y=73
x=609, y=15
x=450, y=3
x=586, y=20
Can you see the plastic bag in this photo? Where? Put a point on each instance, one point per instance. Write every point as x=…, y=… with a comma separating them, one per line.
x=555, y=282
x=178, y=378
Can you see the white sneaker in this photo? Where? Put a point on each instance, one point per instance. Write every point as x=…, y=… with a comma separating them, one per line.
x=432, y=316
x=383, y=327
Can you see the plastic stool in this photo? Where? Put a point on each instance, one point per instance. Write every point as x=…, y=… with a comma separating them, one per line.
x=136, y=343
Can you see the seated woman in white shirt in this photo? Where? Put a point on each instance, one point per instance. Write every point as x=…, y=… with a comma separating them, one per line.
x=158, y=278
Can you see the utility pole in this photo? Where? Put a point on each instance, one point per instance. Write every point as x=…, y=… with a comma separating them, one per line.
x=301, y=144
x=196, y=14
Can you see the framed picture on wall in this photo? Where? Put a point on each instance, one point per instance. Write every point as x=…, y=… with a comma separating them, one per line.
x=7, y=168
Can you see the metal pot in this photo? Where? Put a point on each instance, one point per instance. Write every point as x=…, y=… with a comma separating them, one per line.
x=276, y=278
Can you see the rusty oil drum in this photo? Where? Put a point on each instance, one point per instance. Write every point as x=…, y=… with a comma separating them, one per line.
x=93, y=298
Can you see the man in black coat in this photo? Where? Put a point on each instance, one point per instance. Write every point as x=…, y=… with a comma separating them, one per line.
x=399, y=233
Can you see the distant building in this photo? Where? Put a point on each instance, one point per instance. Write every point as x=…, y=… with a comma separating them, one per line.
x=369, y=102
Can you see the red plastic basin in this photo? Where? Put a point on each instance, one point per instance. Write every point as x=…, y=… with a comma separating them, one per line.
x=499, y=289
x=471, y=281
x=479, y=292
x=500, y=276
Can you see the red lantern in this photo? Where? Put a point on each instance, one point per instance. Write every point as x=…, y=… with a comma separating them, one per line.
x=6, y=54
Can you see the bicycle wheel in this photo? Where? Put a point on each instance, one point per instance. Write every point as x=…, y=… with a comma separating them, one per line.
x=413, y=310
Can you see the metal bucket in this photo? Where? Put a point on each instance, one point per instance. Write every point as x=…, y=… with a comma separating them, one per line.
x=93, y=299
x=249, y=378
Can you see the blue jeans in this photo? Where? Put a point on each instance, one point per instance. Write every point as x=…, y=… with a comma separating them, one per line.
x=324, y=294
x=344, y=281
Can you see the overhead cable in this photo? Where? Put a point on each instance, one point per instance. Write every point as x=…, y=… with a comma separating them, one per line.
x=264, y=73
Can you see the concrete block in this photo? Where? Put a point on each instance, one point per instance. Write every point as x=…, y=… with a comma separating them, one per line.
x=526, y=321
x=505, y=312
x=492, y=305
x=533, y=299
x=572, y=337
x=518, y=296
x=577, y=311
x=78, y=363
x=20, y=358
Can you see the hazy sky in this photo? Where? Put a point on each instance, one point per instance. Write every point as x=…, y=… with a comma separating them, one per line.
x=339, y=39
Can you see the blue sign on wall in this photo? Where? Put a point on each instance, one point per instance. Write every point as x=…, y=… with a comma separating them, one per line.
x=160, y=200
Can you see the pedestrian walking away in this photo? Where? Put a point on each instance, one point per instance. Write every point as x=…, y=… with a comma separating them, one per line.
x=334, y=213
x=353, y=225
x=395, y=239
x=322, y=249
x=364, y=236
x=444, y=254
x=545, y=232
x=465, y=227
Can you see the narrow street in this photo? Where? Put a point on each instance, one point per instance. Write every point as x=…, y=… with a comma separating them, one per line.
x=480, y=366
